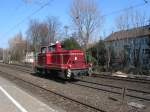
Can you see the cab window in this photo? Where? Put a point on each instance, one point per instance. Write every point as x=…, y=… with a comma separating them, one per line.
x=43, y=50
x=51, y=48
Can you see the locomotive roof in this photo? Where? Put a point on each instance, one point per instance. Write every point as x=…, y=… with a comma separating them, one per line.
x=51, y=44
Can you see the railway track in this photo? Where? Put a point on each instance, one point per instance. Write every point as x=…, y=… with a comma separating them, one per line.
x=129, y=79
x=110, y=88
x=113, y=86
x=23, y=65
x=104, y=87
x=18, y=67
x=56, y=93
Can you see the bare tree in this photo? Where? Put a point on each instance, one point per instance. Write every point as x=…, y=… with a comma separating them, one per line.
x=53, y=28
x=17, y=48
x=109, y=56
x=6, y=55
x=130, y=18
x=37, y=34
x=42, y=33
x=87, y=19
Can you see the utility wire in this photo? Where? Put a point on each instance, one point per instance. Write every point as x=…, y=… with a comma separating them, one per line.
x=23, y=20
x=46, y=4
x=121, y=10
x=145, y=1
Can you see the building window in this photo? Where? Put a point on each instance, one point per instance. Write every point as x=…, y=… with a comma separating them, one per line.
x=142, y=41
x=116, y=44
x=136, y=42
x=145, y=40
x=136, y=51
x=146, y=51
x=145, y=61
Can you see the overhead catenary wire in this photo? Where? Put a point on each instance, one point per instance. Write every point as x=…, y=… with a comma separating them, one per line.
x=26, y=18
x=145, y=1
x=46, y=4
x=127, y=8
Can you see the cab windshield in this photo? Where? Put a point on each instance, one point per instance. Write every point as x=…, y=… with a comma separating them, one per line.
x=51, y=48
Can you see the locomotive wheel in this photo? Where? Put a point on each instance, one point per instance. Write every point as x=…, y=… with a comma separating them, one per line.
x=44, y=71
x=39, y=71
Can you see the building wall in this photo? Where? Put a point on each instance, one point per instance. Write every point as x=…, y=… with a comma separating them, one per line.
x=133, y=47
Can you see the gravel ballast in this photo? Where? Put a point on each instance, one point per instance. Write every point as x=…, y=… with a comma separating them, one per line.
x=98, y=99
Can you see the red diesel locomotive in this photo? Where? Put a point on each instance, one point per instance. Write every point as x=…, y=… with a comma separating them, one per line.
x=64, y=63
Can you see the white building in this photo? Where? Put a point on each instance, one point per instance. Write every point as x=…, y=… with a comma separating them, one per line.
x=29, y=58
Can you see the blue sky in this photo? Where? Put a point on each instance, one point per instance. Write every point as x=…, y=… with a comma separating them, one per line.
x=13, y=12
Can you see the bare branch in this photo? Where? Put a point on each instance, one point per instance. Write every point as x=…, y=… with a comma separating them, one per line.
x=87, y=19
x=53, y=27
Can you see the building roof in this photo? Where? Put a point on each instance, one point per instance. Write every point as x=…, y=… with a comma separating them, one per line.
x=131, y=33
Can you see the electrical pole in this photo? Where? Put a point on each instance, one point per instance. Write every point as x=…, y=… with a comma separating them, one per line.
x=66, y=30
x=3, y=55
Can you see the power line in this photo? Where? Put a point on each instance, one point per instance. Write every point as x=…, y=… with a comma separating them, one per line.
x=23, y=20
x=46, y=4
x=121, y=10
x=145, y=1
x=36, y=2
